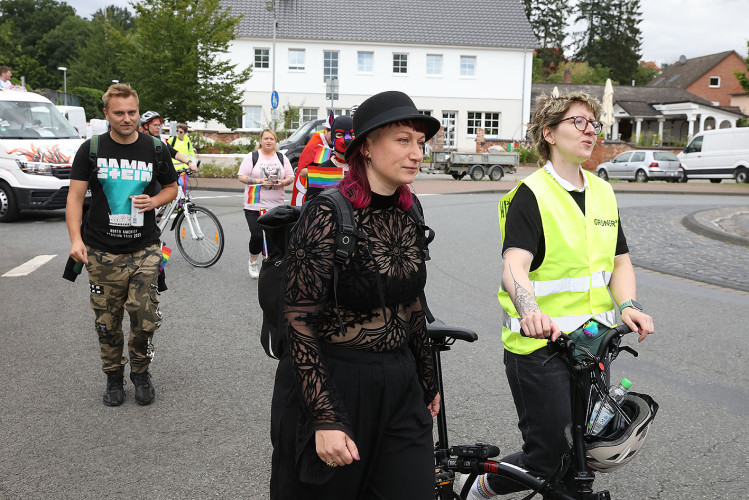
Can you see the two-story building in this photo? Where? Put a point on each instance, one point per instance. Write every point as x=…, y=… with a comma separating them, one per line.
x=468, y=64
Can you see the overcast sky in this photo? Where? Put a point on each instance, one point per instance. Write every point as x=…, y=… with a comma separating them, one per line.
x=670, y=28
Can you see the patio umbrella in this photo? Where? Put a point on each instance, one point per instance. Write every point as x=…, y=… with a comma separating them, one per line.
x=607, y=114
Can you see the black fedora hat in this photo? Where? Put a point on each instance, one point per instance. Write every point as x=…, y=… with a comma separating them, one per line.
x=385, y=108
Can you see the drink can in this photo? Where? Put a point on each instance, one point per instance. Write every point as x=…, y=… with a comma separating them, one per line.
x=136, y=219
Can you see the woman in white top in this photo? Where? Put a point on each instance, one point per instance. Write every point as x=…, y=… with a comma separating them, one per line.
x=266, y=172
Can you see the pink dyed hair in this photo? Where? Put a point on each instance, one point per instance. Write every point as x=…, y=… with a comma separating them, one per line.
x=355, y=185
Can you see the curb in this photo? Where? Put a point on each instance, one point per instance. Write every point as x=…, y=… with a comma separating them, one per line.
x=690, y=222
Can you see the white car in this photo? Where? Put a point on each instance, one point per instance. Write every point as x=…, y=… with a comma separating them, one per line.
x=642, y=165
x=37, y=147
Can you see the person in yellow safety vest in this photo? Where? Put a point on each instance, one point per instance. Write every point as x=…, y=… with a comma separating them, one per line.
x=181, y=142
x=563, y=252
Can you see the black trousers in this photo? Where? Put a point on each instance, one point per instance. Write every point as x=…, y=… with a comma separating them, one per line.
x=391, y=424
x=542, y=399
x=256, y=233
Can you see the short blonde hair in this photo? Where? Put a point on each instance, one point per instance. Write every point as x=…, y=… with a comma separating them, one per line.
x=549, y=111
x=119, y=90
x=271, y=132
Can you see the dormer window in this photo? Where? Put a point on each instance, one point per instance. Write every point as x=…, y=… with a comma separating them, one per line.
x=714, y=82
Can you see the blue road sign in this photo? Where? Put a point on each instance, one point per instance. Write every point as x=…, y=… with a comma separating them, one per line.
x=274, y=100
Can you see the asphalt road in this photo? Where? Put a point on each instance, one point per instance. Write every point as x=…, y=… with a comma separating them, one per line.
x=206, y=435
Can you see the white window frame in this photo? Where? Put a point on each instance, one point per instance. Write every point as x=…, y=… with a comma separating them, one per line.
x=248, y=122
x=255, y=59
x=306, y=114
x=429, y=68
x=462, y=67
x=325, y=61
x=296, y=66
x=359, y=61
x=402, y=60
x=485, y=120
x=710, y=82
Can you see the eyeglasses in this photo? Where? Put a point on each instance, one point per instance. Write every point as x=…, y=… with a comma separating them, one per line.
x=581, y=123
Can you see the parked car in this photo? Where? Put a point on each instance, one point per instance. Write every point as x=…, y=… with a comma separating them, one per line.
x=718, y=154
x=642, y=165
x=294, y=145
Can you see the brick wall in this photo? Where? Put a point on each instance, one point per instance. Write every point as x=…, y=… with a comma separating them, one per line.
x=728, y=81
x=226, y=137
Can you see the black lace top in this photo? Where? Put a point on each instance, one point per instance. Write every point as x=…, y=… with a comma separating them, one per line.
x=397, y=255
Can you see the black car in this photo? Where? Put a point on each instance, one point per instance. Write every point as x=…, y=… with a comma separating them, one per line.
x=294, y=145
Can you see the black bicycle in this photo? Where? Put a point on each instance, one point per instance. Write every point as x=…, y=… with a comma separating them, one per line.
x=589, y=373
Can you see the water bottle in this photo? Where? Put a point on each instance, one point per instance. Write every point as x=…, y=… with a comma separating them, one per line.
x=618, y=393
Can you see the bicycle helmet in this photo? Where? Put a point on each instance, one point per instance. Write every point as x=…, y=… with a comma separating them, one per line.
x=615, y=448
x=148, y=116
x=353, y=109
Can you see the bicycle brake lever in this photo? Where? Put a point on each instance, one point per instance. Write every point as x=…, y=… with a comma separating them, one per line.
x=629, y=350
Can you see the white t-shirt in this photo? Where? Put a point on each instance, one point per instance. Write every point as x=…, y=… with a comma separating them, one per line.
x=269, y=197
x=5, y=85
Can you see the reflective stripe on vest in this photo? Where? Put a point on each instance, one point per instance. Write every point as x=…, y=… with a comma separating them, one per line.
x=571, y=284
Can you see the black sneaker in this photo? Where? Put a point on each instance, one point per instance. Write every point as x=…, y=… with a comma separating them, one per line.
x=144, y=391
x=115, y=394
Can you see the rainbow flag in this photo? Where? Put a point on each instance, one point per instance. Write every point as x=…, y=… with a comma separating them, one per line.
x=323, y=154
x=253, y=193
x=323, y=177
x=166, y=252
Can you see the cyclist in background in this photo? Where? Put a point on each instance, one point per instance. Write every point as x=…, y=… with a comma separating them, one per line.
x=181, y=142
x=564, y=257
x=150, y=123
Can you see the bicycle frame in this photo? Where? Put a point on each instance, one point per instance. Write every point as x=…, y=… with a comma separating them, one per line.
x=473, y=459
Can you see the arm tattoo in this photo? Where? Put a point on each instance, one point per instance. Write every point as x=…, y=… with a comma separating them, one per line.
x=525, y=302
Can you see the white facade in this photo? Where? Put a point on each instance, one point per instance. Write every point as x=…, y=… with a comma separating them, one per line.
x=496, y=96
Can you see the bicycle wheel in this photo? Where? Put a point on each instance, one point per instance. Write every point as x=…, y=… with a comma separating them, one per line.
x=201, y=239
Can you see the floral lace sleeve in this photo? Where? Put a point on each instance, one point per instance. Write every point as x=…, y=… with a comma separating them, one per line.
x=309, y=276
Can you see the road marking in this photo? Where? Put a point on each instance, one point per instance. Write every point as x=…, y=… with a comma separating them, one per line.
x=30, y=266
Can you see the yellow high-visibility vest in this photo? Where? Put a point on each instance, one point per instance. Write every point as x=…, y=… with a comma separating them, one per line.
x=182, y=146
x=571, y=284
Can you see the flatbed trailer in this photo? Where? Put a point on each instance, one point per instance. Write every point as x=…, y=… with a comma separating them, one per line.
x=475, y=165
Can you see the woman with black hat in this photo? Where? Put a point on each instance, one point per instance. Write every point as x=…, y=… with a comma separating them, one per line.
x=357, y=421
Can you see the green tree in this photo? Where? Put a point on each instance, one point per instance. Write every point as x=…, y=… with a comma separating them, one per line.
x=59, y=46
x=611, y=37
x=548, y=19
x=30, y=20
x=177, y=60
x=581, y=73
x=98, y=63
x=645, y=73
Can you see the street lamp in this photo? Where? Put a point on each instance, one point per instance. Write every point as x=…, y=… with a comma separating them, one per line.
x=270, y=6
x=115, y=81
x=65, y=79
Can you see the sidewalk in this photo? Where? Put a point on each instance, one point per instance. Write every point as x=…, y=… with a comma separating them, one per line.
x=728, y=224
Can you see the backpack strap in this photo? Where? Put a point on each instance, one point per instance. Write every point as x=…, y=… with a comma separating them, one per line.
x=158, y=147
x=93, y=152
x=255, y=156
x=417, y=214
x=280, y=158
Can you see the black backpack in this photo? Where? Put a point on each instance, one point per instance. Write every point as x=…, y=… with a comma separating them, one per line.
x=93, y=154
x=278, y=224
x=256, y=155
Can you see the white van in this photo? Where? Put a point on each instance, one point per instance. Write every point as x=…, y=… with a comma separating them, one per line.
x=76, y=115
x=717, y=154
x=37, y=147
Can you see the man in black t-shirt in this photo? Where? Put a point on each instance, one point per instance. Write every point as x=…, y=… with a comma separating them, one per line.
x=119, y=240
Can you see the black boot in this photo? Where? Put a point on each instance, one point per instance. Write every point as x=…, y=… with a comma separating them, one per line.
x=115, y=394
x=144, y=391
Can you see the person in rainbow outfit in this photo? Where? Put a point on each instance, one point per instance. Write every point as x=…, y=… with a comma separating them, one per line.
x=330, y=172
x=317, y=150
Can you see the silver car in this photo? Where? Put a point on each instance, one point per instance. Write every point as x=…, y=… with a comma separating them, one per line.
x=642, y=165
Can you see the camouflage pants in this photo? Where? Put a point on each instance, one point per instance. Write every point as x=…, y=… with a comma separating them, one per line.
x=122, y=282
